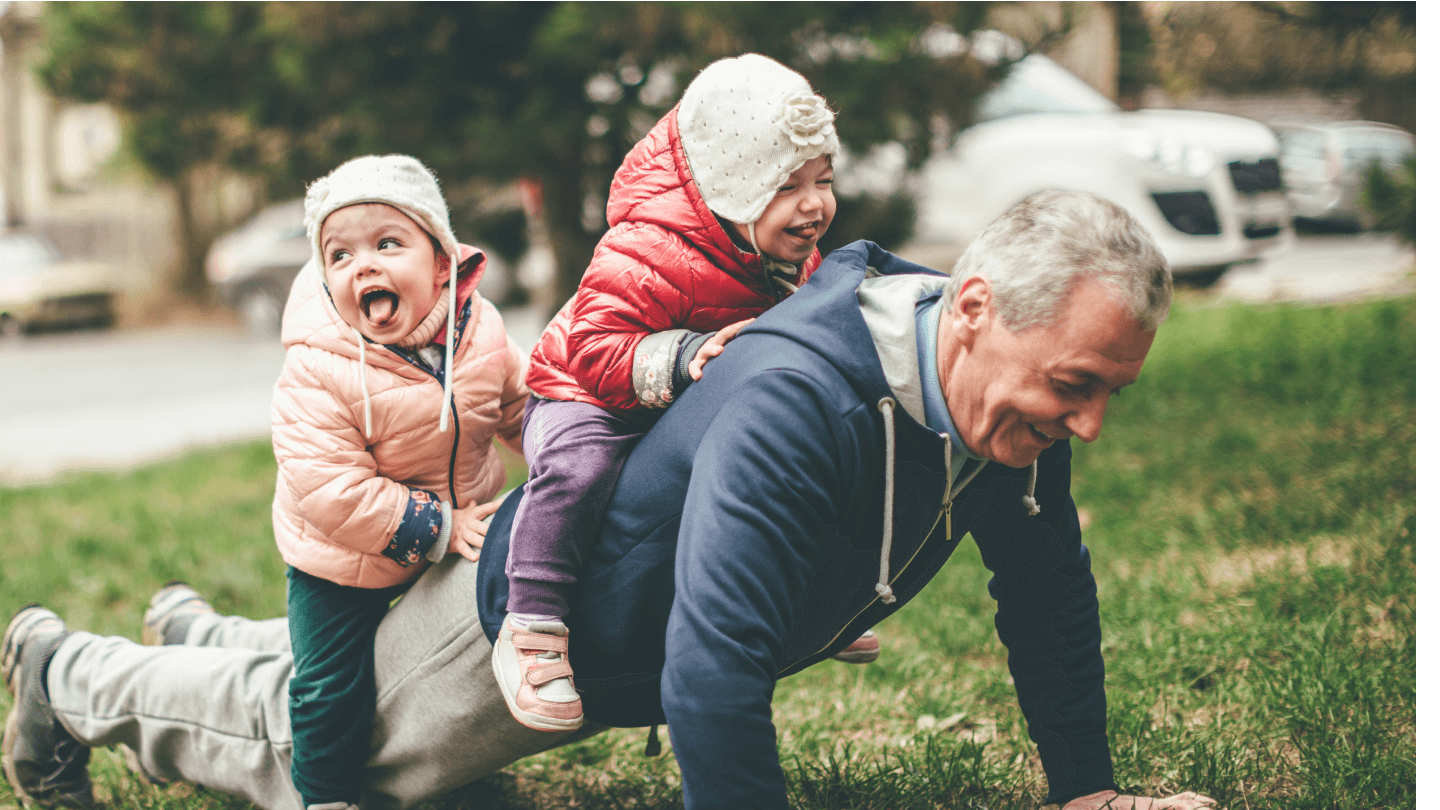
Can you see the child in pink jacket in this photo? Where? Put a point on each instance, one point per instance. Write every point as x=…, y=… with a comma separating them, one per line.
x=397, y=376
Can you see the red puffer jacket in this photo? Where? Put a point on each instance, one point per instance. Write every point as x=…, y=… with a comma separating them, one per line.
x=666, y=263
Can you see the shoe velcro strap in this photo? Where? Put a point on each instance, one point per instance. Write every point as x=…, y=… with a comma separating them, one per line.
x=550, y=672
x=540, y=641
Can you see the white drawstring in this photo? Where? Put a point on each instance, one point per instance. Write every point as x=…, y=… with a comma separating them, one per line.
x=887, y=409
x=449, y=348
x=1029, y=499
x=364, y=389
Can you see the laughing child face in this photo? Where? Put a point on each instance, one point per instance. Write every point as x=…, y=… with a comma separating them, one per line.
x=800, y=212
x=384, y=272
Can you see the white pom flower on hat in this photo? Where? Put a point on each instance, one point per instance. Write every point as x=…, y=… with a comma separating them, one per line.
x=805, y=119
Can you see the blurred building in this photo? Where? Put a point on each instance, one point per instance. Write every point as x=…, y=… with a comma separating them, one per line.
x=66, y=174
x=1089, y=46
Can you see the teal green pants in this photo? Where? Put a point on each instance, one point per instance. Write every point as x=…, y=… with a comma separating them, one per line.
x=332, y=693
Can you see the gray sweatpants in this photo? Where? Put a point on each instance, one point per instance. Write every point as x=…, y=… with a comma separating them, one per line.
x=215, y=710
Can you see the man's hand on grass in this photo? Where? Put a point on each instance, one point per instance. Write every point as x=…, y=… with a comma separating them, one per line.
x=468, y=526
x=1110, y=800
x=714, y=346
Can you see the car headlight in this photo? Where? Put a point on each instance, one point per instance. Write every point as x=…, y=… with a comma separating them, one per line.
x=1168, y=153
x=1198, y=161
x=18, y=287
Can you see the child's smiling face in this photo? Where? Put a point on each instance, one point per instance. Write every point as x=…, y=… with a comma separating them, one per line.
x=797, y=217
x=385, y=274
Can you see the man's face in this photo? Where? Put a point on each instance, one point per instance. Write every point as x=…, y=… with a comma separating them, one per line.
x=1013, y=395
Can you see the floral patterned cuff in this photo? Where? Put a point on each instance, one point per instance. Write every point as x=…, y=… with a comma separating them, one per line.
x=442, y=543
x=651, y=371
x=420, y=528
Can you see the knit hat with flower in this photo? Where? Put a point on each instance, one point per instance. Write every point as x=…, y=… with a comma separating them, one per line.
x=746, y=123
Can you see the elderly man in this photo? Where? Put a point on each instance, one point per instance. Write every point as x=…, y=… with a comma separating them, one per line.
x=815, y=480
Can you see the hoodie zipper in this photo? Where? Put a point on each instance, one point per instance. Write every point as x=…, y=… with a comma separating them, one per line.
x=949, y=502
x=454, y=420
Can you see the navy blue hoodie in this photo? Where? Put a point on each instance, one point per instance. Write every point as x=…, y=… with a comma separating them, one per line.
x=742, y=544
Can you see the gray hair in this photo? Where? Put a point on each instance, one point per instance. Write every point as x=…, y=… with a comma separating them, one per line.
x=1037, y=252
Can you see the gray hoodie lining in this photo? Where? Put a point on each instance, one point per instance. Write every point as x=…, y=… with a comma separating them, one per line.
x=887, y=303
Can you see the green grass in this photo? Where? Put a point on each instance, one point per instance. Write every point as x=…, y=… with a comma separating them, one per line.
x=1251, y=511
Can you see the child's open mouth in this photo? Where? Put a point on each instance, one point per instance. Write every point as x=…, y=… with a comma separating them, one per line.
x=379, y=306
x=809, y=230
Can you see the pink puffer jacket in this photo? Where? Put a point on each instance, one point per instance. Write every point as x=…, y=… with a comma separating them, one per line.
x=338, y=497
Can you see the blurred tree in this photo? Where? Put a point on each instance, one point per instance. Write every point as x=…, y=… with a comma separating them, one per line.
x=558, y=92
x=182, y=73
x=1390, y=195
x=1364, y=48
x=1137, y=44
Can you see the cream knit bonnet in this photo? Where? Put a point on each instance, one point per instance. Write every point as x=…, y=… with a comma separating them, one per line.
x=746, y=123
x=403, y=183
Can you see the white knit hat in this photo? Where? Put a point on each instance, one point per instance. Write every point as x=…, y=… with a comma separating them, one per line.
x=399, y=181
x=403, y=183
x=746, y=123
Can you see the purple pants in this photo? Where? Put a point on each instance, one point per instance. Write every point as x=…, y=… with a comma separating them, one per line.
x=575, y=452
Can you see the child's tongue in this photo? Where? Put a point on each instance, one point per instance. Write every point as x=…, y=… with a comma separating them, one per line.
x=379, y=307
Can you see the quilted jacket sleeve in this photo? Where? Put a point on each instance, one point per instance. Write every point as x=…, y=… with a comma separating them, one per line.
x=326, y=471
x=625, y=296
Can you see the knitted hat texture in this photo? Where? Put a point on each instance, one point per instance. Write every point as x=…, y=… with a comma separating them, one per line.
x=399, y=181
x=746, y=123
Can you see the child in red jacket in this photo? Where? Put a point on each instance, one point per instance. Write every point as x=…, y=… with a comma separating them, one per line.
x=714, y=218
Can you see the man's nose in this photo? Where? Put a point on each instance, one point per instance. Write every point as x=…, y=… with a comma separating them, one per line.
x=1085, y=422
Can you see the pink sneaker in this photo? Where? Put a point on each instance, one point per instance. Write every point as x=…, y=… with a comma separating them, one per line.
x=533, y=669
x=862, y=650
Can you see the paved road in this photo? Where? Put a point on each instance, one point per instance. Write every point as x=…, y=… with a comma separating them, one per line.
x=88, y=400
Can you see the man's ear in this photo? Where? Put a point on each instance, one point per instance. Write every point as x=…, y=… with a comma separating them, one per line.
x=973, y=308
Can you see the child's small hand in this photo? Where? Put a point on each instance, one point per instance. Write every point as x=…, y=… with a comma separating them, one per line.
x=714, y=346
x=468, y=526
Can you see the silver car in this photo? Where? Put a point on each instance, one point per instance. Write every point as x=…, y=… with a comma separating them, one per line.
x=1325, y=165
x=253, y=266
x=40, y=288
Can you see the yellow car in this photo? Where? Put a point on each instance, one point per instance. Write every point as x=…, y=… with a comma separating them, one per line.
x=40, y=288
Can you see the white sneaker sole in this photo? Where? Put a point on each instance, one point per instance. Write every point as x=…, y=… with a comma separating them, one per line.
x=530, y=720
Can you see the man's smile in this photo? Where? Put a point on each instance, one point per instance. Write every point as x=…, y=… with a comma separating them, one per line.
x=1043, y=437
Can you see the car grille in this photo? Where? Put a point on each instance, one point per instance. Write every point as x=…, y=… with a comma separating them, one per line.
x=1262, y=175
x=1188, y=212
x=75, y=307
